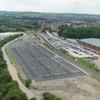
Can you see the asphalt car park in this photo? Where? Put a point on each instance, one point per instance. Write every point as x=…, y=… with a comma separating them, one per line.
x=39, y=64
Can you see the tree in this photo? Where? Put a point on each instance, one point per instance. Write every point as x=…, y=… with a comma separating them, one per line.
x=4, y=76
x=15, y=95
x=49, y=96
x=28, y=83
x=33, y=98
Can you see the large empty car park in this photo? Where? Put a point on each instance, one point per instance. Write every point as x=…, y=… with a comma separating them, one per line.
x=39, y=64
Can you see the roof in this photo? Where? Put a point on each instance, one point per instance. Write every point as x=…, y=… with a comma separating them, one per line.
x=92, y=41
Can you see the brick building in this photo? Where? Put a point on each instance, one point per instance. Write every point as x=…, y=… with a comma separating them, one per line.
x=92, y=44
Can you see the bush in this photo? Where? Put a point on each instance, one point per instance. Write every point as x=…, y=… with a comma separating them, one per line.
x=28, y=83
x=15, y=95
x=49, y=96
x=4, y=76
x=33, y=98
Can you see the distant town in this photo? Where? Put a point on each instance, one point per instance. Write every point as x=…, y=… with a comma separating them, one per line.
x=49, y=56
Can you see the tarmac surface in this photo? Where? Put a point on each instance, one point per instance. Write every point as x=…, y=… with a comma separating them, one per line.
x=39, y=64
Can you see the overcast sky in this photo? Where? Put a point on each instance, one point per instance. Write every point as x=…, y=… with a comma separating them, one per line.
x=63, y=6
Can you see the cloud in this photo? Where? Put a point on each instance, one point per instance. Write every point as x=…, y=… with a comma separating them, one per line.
x=67, y=6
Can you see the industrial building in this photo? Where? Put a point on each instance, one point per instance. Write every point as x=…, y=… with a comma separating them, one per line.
x=92, y=44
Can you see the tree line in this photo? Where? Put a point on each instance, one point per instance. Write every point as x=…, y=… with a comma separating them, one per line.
x=9, y=89
x=79, y=33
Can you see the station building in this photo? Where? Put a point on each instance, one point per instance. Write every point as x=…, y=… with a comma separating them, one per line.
x=92, y=44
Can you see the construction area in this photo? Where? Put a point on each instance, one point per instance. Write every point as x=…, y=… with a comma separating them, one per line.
x=40, y=64
x=51, y=73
